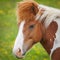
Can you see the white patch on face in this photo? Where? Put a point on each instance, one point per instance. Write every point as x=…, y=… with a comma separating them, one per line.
x=20, y=39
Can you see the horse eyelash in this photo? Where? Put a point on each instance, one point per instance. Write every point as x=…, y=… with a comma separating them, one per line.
x=31, y=27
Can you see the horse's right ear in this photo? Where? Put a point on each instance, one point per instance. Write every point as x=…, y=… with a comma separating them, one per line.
x=34, y=9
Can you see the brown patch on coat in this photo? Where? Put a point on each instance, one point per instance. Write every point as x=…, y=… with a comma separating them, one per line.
x=56, y=54
x=50, y=32
x=49, y=36
x=27, y=10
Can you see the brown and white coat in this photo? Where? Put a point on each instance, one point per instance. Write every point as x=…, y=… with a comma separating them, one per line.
x=37, y=23
x=51, y=19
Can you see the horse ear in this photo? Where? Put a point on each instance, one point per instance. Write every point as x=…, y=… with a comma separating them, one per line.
x=39, y=15
x=34, y=9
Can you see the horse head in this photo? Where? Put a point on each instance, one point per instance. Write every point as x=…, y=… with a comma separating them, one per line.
x=30, y=29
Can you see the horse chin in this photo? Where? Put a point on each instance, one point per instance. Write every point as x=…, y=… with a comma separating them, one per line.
x=20, y=57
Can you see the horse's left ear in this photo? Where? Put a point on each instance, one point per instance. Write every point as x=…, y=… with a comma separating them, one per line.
x=34, y=8
x=39, y=14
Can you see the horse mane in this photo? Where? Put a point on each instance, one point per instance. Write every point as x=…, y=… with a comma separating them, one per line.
x=26, y=10
x=49, y=14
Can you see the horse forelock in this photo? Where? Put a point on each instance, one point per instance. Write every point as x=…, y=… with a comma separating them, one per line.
x=26, y=10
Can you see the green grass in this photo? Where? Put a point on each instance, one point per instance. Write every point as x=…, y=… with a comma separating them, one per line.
x=9, y=29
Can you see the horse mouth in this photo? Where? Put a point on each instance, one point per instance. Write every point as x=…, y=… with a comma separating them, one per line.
x=23, y=55
x=20, y=57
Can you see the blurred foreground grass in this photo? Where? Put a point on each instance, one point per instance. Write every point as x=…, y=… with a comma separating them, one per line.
x=9, y=29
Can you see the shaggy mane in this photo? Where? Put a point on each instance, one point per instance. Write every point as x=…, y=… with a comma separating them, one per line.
x=26, y=10
x=50, y=14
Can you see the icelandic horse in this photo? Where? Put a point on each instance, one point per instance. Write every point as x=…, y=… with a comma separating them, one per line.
x=37, y=23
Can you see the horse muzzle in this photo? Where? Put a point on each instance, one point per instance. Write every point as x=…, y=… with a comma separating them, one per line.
x=18, y=53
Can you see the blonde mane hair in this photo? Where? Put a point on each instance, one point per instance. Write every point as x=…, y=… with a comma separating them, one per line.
x=26, y=10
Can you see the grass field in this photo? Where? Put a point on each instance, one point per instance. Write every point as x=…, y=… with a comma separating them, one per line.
x=9, y=29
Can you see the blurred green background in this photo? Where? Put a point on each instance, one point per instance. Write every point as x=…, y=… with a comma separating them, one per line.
x=9, y=29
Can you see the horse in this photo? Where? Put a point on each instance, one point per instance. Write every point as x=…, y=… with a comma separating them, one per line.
x=37, y=23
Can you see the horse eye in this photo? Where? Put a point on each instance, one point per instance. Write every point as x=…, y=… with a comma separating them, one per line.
x=31, y=27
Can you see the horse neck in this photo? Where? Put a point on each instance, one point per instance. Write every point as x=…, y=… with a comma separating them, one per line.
x=46, y=43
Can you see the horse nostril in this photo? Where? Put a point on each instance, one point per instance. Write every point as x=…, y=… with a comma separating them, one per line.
x=18, y=53
x=19, y=50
